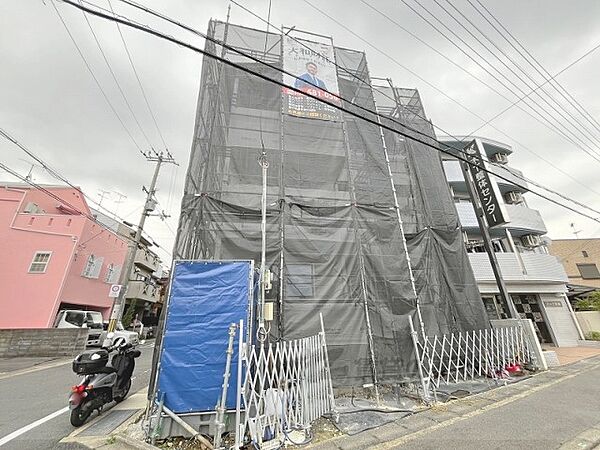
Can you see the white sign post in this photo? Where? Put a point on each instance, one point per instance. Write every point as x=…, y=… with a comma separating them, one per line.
x=115, y=290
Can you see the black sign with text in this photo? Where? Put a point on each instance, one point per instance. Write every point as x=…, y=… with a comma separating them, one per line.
x=492, y=209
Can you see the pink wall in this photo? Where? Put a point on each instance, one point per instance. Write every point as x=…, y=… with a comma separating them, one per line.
x=31, y=300
x=99, y=242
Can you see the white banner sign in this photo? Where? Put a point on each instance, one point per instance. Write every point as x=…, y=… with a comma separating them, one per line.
x=314, y=72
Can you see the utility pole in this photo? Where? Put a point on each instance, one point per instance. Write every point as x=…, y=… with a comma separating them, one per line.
x=487, y=242
x=117, y=312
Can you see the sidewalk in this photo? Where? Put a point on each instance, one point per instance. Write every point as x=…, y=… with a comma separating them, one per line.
x=106, y=431
x=559, y=408
x=545, y=411
x=567, y=355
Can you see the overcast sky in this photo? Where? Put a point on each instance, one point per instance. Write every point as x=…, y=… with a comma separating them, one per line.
x=50, y=102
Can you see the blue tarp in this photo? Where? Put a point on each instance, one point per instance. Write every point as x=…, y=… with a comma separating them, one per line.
x=205, y=298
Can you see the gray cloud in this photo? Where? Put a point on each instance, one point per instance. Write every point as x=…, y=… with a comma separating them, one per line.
x=50, y=102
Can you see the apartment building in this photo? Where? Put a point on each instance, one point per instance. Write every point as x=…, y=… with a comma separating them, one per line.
x=535, y=279
x=144, y=290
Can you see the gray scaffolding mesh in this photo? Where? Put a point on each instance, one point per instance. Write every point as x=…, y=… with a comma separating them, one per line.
x=334, y=241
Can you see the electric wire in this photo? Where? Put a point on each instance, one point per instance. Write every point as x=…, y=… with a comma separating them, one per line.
x=563, y=130
x=139, y=82
x=196, y=32
x=576, y=122
x=225, y=46
x=54, y=173
x=116, y=80
x=558, y=127
x=90, y=70
x=356, y=77
x=451, y=61
x=584, y=112
x=161, y=35
x=58, y=198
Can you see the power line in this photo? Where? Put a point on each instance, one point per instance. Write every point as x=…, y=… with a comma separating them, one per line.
x=563, y=128
x=89, y=68
x=240, y=67
x=589, y=134
x=225, y=46
x=552, y=78
x=564, y=92
x=139, y=81
x=56, y=197
x=540, y=117
x=114, y=77
x=440, y=91
x=54, y=173
x=358, y=106
x=356, y=77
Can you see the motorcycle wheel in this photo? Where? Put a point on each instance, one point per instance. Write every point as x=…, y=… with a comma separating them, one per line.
x=121, y=397
x=79, y=416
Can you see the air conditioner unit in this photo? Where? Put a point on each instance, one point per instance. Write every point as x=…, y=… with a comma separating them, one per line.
x=514, y=197
x=500, y=158
x=531, y=240
x=31, y=208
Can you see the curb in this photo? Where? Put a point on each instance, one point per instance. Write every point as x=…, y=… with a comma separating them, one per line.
x=117, y=438
x=404, y=430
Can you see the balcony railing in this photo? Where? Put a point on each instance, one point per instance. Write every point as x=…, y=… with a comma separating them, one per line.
x=147, y=260
x=523, y=220
x=142, y=291
x=534, y=267
x=509, y=177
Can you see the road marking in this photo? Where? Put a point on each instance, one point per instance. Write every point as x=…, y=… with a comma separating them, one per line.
x=15, y=434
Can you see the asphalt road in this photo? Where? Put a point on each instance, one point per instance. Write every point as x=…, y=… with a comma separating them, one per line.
x=543, y=420
x=27, y=399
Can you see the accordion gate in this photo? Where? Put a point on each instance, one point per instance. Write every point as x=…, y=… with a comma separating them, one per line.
x=286, y=386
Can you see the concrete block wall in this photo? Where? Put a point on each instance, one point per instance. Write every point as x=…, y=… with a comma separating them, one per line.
x=42, y=342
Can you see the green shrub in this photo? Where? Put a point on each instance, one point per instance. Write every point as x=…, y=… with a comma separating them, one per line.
x=593, y=335
x=590, y=303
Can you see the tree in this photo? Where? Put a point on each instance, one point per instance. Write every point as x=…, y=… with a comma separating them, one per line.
x=589, y=303
x=129, y=313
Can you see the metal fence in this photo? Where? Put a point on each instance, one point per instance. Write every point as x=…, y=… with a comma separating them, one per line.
x=286, y=386
x=468, y=355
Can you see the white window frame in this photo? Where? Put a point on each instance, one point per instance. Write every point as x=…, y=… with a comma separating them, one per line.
x=112, y=273
x=88, y=268
x=92, y=267
x=33, y=261
x=110, y=270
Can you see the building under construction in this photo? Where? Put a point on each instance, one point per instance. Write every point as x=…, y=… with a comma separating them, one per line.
x=361, y=226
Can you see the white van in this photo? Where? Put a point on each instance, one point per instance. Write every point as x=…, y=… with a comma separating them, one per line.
x=74, y=318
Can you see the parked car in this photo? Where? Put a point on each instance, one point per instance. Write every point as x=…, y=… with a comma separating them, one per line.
x=131, y=337
x=74, y=318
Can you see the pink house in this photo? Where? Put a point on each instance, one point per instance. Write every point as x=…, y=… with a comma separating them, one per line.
x=52, y=256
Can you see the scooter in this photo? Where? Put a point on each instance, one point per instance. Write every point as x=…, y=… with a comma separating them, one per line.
x=102, y=383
